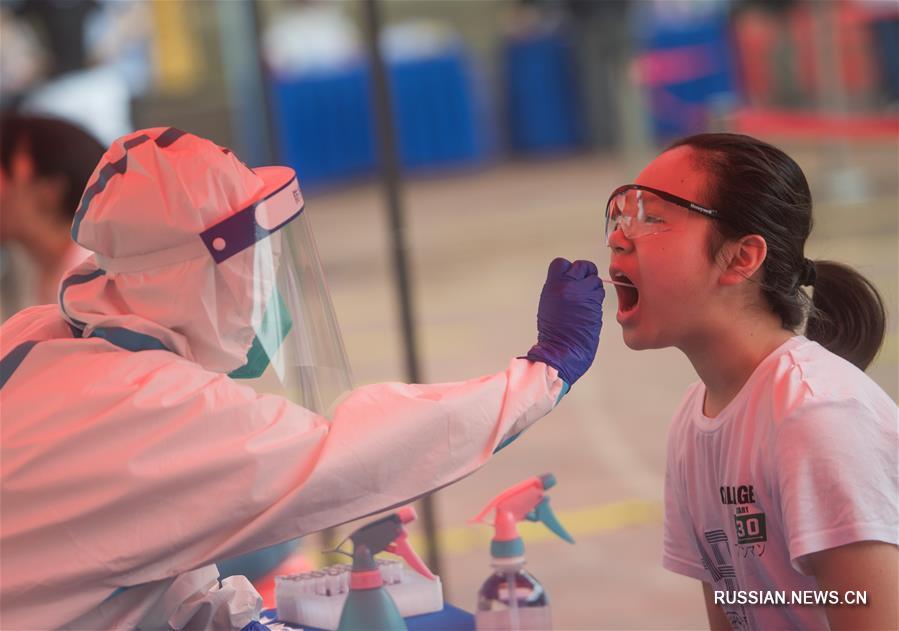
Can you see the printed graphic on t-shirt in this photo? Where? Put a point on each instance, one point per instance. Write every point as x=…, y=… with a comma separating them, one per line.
x=742, y=494
x=750, y=528
x=719, y=564
x=718, y=554
x=749, y=524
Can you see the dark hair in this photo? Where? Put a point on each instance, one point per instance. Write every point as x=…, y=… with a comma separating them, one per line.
x=759, y=189
x=57, y=148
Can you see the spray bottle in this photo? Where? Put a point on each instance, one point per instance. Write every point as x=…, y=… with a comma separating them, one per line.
x=512, y=598
x=368, y=605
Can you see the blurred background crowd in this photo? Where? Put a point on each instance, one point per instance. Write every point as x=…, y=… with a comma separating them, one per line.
x=473, y=80
x=513, y=121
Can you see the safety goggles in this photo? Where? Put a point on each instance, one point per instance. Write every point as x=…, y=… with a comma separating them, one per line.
x=639, y=211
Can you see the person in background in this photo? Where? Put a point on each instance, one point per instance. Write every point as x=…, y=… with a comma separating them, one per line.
x=600, y=38
x=603, y=46
x=45, y=164
x=883, y=23
x=782, y=460
x=768, y=53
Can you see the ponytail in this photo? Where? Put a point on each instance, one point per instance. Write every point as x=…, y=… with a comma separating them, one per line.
x=847, y=315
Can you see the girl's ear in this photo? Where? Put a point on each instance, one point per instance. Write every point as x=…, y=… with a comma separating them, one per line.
x=742, y=258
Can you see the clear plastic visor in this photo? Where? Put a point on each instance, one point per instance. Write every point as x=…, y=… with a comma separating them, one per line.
x=298, y=340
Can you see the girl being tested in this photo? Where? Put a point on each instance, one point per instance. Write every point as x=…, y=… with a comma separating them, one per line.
x=781, y=486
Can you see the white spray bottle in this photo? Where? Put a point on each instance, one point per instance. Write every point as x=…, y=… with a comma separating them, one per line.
x=511, y=598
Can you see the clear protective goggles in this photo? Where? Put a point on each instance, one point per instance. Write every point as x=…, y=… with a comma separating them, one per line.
x=297, y=350
x=639, y=211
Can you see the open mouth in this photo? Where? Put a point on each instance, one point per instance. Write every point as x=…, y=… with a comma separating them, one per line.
x=628, y=295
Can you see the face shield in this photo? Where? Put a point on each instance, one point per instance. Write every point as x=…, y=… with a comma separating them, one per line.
x=639, y=211
x=296, y=350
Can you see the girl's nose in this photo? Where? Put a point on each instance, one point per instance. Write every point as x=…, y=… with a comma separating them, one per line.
x=618, y=242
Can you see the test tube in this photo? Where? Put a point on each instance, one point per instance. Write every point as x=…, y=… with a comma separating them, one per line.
x=395, y=572
x=319, y=586
x=333, y=580
x=384, y=567
x=308, y=584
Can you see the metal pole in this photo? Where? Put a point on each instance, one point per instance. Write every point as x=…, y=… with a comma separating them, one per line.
x=245, y=79
x=390, y=179
x=272, y=142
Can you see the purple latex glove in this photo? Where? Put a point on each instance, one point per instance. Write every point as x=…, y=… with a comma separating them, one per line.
x=569, y=318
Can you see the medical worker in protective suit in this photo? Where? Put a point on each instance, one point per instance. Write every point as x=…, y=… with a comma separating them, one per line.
x=131, y=457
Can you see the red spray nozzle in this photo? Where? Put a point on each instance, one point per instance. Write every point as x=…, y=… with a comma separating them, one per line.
x=387, y=534
x=512, y=505
x=525, y=500
x=401, y=547
x=406, y=514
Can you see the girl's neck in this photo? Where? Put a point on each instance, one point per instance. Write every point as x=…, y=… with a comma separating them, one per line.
x=725, y=358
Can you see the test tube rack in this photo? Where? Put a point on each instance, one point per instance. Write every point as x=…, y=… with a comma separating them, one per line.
x=315, y=599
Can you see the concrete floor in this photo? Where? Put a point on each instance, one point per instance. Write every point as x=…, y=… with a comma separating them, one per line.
x=480, y=242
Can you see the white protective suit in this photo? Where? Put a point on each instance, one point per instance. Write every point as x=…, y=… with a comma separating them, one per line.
x=126, y=472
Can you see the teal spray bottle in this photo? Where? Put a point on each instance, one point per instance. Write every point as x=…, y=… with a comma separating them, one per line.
x=511, y=598
x=368, y=606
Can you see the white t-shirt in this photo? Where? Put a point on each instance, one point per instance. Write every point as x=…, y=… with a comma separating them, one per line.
x=802, y=460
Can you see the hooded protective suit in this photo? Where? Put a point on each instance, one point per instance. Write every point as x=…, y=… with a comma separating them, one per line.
x=131, y=461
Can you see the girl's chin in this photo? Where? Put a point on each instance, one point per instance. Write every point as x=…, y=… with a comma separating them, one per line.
x=636, y=344
x=637, y=340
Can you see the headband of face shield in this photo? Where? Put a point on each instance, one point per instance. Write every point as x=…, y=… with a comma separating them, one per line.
x=639, y=211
